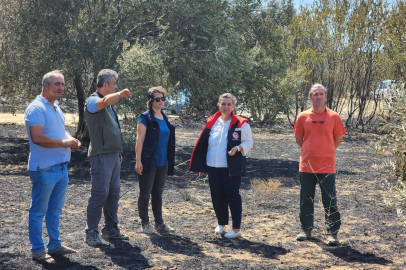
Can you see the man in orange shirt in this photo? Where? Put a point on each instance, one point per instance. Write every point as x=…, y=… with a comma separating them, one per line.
x=318, y=131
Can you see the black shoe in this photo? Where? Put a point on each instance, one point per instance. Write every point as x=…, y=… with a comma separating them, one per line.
x=163, y=228
x=113, y=234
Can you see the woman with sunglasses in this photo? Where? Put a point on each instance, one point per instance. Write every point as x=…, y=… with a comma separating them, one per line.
x=154, y=158
x=220, y=151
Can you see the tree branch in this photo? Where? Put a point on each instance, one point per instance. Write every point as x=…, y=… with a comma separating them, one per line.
x=136, y=28
x=139, y=37
x=198, y=51
x=148, y=33
x=119, y=25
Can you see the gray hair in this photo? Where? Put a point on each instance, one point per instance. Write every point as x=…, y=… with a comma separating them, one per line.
x=315, y=86
x=47, y=79
x=228, y=95
x=106, y=75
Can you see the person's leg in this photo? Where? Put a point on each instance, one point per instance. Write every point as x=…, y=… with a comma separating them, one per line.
x=110, y=208
x=40, y=193
x=157, y=191
x=55, y=205
x=329, y=199
x=99, y=192
x=218, y=196
x=145, y=182
x=307, y=190
x=231, y=186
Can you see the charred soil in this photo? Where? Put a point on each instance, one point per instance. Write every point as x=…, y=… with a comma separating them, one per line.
x=371, y=235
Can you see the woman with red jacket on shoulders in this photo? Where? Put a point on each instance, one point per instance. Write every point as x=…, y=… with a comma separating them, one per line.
x=220, y=151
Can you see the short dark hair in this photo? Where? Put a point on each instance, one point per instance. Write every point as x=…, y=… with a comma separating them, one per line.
x=106, y=75
x=152, y=91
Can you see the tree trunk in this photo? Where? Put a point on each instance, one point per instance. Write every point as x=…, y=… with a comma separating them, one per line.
x=82, y=133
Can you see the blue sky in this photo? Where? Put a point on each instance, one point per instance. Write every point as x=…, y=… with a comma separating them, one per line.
x=301, y=2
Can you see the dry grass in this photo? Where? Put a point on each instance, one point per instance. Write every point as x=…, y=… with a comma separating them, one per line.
x=71, y=119
x=263, y=190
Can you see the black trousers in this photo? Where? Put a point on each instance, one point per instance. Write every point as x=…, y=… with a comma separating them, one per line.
x=225, y=192
x=152, y=183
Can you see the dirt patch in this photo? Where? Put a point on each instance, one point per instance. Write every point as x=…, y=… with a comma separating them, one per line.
x=372, y=237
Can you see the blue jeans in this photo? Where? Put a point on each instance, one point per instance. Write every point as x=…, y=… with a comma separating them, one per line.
x=47, y=198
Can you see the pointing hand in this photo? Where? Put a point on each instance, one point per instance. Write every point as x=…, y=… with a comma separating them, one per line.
x=125, y=93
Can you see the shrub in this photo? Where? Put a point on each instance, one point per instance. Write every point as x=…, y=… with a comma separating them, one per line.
x=394, y=143
x=262, y=190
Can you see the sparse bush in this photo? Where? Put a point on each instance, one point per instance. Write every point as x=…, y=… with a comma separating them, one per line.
x=262, y=191
x=394, y=143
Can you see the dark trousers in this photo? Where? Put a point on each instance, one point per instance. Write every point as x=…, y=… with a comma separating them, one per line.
x=326, y=182
x=152, y=183
x=225, y=192
x=105, y=192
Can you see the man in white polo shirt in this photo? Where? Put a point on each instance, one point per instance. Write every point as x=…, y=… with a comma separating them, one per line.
x=50, y=151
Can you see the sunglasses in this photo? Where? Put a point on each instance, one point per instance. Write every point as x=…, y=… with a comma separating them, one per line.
x=158, y=99
x=321, y=122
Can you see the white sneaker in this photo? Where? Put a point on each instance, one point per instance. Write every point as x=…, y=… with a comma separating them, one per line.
x=232, y=234
x=219, y=229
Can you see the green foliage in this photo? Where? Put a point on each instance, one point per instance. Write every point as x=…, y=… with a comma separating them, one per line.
x=200, y=49
x=141, y=67
x=339, y=44
x=204, y=53
x=394, y=141
x=31, y=45
x=392, y=145
x=266, y=55
x=213, y=47
x=393, y=39
x=270, y=39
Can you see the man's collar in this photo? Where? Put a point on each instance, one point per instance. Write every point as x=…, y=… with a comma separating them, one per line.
x=45, y=101
x=324, y=109
x=99, y=94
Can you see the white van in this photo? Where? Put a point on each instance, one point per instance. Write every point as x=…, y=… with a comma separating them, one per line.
x=388, y=89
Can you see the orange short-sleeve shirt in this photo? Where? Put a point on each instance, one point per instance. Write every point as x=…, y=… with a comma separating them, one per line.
x=318, y=148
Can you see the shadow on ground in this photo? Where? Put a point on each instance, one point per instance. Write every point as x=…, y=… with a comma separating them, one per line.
x=124, y=255
x=267, y=251
x=349, y=254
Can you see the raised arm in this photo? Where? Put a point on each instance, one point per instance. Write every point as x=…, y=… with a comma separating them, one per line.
x=110, y=99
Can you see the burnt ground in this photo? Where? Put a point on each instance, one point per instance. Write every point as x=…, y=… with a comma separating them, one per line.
x=372, y=236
